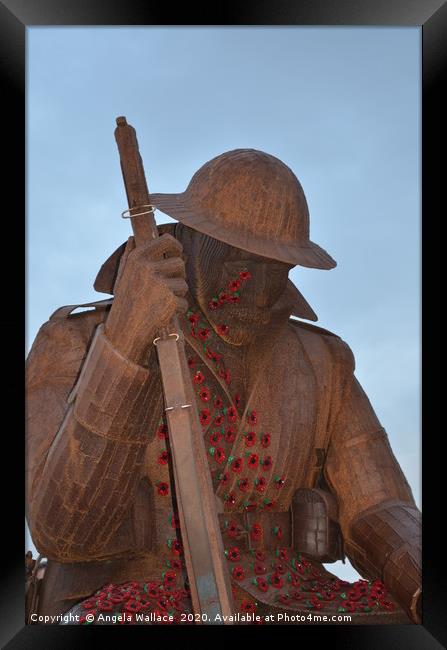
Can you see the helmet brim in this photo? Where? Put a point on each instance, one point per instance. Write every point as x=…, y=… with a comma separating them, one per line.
x=180, y=208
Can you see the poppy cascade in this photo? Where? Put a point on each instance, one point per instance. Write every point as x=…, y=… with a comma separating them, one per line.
x=291, y=581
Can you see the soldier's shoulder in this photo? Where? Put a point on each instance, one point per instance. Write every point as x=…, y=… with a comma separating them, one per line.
x=315, y=336
x=96, y=309
x=68, y=325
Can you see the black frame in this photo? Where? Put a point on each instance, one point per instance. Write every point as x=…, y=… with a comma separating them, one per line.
x=15, y=16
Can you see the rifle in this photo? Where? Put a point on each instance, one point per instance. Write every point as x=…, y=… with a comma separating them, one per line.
x=207, y=570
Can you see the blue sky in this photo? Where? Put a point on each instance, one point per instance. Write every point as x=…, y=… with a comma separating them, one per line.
x=340, y=106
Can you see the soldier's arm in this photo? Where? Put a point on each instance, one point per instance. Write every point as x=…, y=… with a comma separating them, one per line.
x=83, y=458
x=378, y=515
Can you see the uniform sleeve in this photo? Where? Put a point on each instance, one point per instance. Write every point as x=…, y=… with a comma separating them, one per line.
x=84, y=456
x=380, y=521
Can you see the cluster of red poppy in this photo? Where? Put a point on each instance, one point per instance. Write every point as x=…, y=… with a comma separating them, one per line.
x=157, y=598
x=222, y=419
x=298, y=580
x=231, y=294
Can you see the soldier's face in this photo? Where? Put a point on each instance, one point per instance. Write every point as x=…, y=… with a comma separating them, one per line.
x=262, y=283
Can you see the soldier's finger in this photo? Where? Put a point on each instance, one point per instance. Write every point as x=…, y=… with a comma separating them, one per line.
x=169, y=267
x=177, y=286
x=164, y=245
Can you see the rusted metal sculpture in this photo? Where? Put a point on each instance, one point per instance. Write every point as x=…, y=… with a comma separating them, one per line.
x=301, y=469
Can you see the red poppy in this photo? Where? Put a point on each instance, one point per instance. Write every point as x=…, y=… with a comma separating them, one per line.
x=223, y=329
x=261, y=484
x=265, y=440
x=226, y=375
x=219, y=455
x=238, y=573
x=260, y=555
x=163, y=489
x=249, y=507
x=152, y=589
x=253, y=461
x=194, y=318
x=213, y=304
x=223, y=478
x=163, y=458
x=199, y=377
x=243, y=484
x=205, y=394
x=231, y=414
x=232, y=529
x=259, y=568
x=205, y=416
x=276, y=580
x=280, y=568
x=234, y=285
x=252, y=417
x=132, y=606
x=191, y=362
x=268, y=505
x=245, y=275
x=230, y=434
x=236, y=465
x=217, y=357
x=248, y=606
x=218, y=403
x=105, y=605
x=223, y=297
x=177, y=547
x=234, y=298
x=250, y=438
x=283, y=554
x=215, y=437
x=230, y=499
x=237, y=400
x=284, y=598
x=261, y=584
x=256, y=532
x=233, y=554
x=218, y=421
x=267, y=463
x=169, y=578
x=203, y=333
x=162, y=431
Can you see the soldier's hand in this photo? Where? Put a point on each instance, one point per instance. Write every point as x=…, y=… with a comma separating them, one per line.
x=149, y=289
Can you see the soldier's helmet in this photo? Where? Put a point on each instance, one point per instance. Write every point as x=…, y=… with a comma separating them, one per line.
x=251, y=200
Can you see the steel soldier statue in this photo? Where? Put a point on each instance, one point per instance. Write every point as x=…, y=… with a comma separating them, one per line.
x=301, y=468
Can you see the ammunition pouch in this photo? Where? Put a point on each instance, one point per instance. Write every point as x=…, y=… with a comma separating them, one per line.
x=316, y=531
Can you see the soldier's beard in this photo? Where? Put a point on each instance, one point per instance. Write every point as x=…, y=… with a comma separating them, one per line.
x=246, y=321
